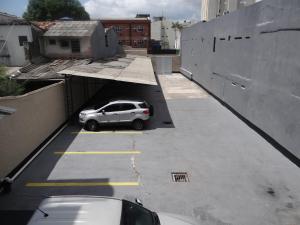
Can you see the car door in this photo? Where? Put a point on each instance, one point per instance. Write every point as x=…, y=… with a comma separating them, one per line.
x=111, y=113
x=127, y=112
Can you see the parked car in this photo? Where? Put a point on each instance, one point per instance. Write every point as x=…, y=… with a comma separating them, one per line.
x=133, y=112
x=92, y=210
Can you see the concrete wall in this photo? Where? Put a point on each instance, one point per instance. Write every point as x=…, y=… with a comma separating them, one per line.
x=113, y=43
x=16, y=53
x=54, y=51
x=98, y=43
x=38, y=114
x=250, y=60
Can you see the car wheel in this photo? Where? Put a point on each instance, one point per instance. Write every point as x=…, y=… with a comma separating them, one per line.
x=138, y=124
x=92, y=125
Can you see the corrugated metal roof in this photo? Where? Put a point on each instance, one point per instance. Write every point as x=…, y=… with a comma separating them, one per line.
x=48, y=70
x=72, y=29
x=133, y=69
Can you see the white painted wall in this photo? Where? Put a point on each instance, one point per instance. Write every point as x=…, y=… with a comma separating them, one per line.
x=11, y=34
x=56, y=50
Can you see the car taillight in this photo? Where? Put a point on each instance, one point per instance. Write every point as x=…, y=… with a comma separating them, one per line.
x=146, y=112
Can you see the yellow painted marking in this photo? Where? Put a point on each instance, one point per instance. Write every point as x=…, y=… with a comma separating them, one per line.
x=99, y=153
x=108, y=132
x=80, y=184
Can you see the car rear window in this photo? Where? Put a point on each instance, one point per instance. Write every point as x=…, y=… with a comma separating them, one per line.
x=143, y=105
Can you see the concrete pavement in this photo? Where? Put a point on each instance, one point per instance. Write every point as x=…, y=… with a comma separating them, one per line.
x=235, y=176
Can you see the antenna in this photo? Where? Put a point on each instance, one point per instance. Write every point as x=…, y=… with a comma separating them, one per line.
x=45, y=214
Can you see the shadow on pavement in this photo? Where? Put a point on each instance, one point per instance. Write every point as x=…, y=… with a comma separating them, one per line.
x=152, y=94
x=17, y=206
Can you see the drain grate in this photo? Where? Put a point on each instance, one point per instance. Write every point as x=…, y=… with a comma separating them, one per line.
x=180, y=177
x=167, y=122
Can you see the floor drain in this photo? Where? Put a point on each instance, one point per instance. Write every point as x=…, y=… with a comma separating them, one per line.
x=180, y=177
x=167, y=122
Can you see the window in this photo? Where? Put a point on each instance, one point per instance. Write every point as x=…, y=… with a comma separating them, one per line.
x=75, y=46
x=22, y=39
x=52, y=42
x=112, y=108
x=139, y=28
x=106, y=40
x=118, y=29
x=125, y=107
x=133, y=214
x=143, y=105
x=64, y=43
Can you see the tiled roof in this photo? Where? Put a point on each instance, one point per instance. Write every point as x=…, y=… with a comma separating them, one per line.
x=71, y=29
x=44, y=25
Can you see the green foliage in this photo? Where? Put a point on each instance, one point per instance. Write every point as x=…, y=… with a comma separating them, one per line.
x=39, y=10
x=177, y=25
x=9, y=87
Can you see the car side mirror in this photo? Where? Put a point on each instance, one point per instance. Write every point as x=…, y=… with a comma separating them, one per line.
x=103, y=111
x=138, y=201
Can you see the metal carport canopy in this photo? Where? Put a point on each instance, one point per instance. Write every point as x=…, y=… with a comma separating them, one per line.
x=133, y=69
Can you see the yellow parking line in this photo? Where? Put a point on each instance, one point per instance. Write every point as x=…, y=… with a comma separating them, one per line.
x=99, y=153
x=108, y=132
x=79, y=184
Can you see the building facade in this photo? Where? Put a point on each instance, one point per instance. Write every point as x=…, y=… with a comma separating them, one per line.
x=131, y=32
x=252, y=65
x=78, y=39
x=15, y=34
x=162, y=30
x=211, y=9
x=167, y=32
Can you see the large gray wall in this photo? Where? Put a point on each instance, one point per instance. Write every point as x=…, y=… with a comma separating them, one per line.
x=255, y=67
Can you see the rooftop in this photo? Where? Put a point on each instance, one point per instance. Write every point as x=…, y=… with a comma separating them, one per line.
x=44, y=25
x=71, y=28
x=121, y=19
x=49, y=70
x=134, y=69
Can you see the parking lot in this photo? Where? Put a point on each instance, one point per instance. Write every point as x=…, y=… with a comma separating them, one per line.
x=234, y=175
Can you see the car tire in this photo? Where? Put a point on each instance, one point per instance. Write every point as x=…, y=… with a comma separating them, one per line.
x=92, y=125
x=138, y=124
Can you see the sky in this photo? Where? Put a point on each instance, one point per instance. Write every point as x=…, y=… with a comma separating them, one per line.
x=172, y=9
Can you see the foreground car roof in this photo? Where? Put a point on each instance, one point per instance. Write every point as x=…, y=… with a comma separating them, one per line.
x=78, y=210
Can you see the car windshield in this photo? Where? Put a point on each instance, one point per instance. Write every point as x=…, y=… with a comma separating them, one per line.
x=99, y=105
x=133, y=214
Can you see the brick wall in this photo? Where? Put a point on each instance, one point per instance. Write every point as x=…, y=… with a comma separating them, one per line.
x=134, y=33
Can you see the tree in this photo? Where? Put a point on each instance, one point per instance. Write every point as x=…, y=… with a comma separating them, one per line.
x=40, y=10
x=9, y=87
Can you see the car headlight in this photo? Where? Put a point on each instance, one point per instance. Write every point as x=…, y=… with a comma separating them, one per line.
x=82, y=114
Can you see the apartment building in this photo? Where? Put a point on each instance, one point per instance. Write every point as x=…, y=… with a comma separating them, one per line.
x=211, y=9
x=133, y=32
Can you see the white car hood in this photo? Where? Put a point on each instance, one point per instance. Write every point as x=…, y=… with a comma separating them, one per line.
x=87, y=111
x=173, y=219
x=78, y=210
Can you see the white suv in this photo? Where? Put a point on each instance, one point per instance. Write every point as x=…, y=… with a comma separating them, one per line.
x=134, y=112
x=92, y=210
